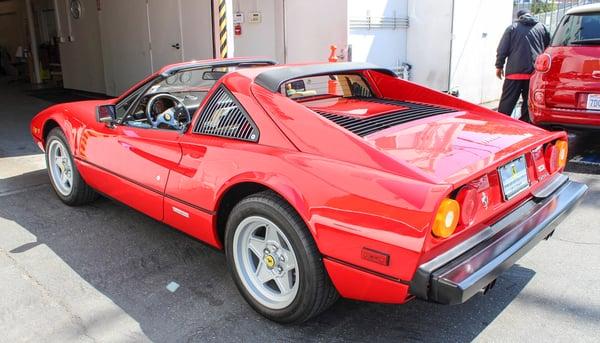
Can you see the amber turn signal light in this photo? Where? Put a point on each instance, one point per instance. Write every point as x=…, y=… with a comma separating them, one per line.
x=562, y=148
x=446, y=218
x=556, y=155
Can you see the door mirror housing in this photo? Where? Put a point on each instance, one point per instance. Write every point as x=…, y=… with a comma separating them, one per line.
x=106, y=114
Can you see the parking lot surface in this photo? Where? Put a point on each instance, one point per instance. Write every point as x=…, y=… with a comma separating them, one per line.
x=100, y=273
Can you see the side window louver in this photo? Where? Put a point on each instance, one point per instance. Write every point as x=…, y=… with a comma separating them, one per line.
x=223, y=116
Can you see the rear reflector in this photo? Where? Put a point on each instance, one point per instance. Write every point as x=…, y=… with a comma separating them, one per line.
x=375, y=256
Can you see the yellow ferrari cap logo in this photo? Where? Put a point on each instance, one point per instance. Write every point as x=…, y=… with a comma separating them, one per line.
x=514, y=170
x=269, y=261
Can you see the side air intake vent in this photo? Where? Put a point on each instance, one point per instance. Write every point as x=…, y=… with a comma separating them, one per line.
x=366, y=126
x=223, y=116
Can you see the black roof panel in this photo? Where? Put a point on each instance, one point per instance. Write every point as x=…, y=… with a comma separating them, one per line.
x=273, y=79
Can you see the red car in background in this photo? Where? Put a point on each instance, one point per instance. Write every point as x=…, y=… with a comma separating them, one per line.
x=565, y=88
x=318, y=180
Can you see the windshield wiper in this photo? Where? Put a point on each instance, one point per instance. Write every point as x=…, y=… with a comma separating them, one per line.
x=592, y=41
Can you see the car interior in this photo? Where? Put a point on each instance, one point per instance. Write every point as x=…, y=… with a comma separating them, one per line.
x=169, y=103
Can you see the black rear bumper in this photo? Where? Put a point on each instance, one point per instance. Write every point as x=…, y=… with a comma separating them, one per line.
x=461, y=272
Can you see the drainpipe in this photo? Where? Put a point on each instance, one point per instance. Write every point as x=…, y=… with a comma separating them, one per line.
x=37, y=77
x=451, y=41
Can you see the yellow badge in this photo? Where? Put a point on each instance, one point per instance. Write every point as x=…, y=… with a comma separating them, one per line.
x=167, y=116
x=269, y=261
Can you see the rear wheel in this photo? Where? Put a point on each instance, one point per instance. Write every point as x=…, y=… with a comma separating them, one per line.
x=274, y=261
x=64, y=176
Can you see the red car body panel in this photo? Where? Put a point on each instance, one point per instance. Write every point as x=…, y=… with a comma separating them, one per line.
x=574, y=73
x=379, y=192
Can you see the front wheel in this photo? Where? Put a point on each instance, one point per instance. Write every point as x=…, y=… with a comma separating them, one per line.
x=63, y=173
x=274, y=261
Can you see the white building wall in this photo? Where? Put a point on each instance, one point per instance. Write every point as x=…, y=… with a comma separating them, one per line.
x=256, y=39
x=478, y=27
x=383, y=46
x=125, y=45
x=311, y=26
x=81, y=58
x=428, y=42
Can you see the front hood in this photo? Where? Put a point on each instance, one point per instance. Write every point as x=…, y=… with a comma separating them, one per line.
x=453, y=146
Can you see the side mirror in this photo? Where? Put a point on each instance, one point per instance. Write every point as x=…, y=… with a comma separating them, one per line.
x=106, y=114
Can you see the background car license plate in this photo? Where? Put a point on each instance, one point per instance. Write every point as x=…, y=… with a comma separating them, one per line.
x=513, y=177
x=593, y=102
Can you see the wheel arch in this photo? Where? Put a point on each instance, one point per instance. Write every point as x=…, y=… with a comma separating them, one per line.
x=61, y=121
x=235, y=192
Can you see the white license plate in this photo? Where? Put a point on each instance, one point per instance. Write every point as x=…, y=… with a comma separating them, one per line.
x=513, y=177
x=593, y=102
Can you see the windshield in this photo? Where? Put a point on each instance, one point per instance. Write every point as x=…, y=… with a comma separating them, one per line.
x=343, y=85
x=578, y=29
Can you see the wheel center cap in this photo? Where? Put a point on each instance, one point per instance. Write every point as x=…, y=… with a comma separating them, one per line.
x=270, y=261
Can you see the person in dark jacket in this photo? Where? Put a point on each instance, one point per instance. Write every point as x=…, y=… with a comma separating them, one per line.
x=521, y=44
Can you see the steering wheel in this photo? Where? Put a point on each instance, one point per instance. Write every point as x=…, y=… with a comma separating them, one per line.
x=170, y=116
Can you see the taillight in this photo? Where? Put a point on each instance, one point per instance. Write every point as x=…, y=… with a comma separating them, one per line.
x=563, y=151
x=550, y=155
x=539, y=98
x=446, y=218
x=468, y=200
x=556, y=155
x=543, y=62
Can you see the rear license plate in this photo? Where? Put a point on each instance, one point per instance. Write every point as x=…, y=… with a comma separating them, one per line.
x=513, y=177
x=593, y=102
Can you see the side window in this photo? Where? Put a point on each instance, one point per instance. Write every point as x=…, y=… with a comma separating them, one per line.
x=223, y=116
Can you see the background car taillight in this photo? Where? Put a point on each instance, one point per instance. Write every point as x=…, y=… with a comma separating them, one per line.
x=446, y=218
x=469, y=202
x=556, y=155
x=539, y=98
x=543, y=62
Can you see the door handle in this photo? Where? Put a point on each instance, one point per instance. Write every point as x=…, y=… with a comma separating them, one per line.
x=176, y=46
x=596, y=74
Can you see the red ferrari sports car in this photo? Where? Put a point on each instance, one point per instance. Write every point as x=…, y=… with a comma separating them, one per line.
x=318, y=180
x=565, y=88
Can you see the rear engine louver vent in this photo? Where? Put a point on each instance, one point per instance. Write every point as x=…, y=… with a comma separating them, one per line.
x=366, y=126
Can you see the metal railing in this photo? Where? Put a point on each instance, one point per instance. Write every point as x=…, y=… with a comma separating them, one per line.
x=559, y=8
x=370, y=23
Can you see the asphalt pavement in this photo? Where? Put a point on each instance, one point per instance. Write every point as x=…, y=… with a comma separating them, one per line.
x=100, y=272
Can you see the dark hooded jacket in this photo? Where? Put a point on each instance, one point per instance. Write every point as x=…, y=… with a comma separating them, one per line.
x=521, y=43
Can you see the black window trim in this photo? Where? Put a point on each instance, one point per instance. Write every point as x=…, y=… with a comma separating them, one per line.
x=195, y=129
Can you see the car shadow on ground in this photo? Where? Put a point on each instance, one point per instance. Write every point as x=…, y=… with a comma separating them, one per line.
x=130, y=258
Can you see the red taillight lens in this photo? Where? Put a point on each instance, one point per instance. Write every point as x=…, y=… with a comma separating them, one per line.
x=550, y=154
x=543, y=62
x=468, y=200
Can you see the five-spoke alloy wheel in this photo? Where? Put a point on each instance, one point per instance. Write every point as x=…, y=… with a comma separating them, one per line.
x=266, y=262
x=274, y=260
x=64, y=176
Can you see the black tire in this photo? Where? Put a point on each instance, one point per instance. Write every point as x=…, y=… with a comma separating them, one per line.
x=80, y=193
x=315, y=291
